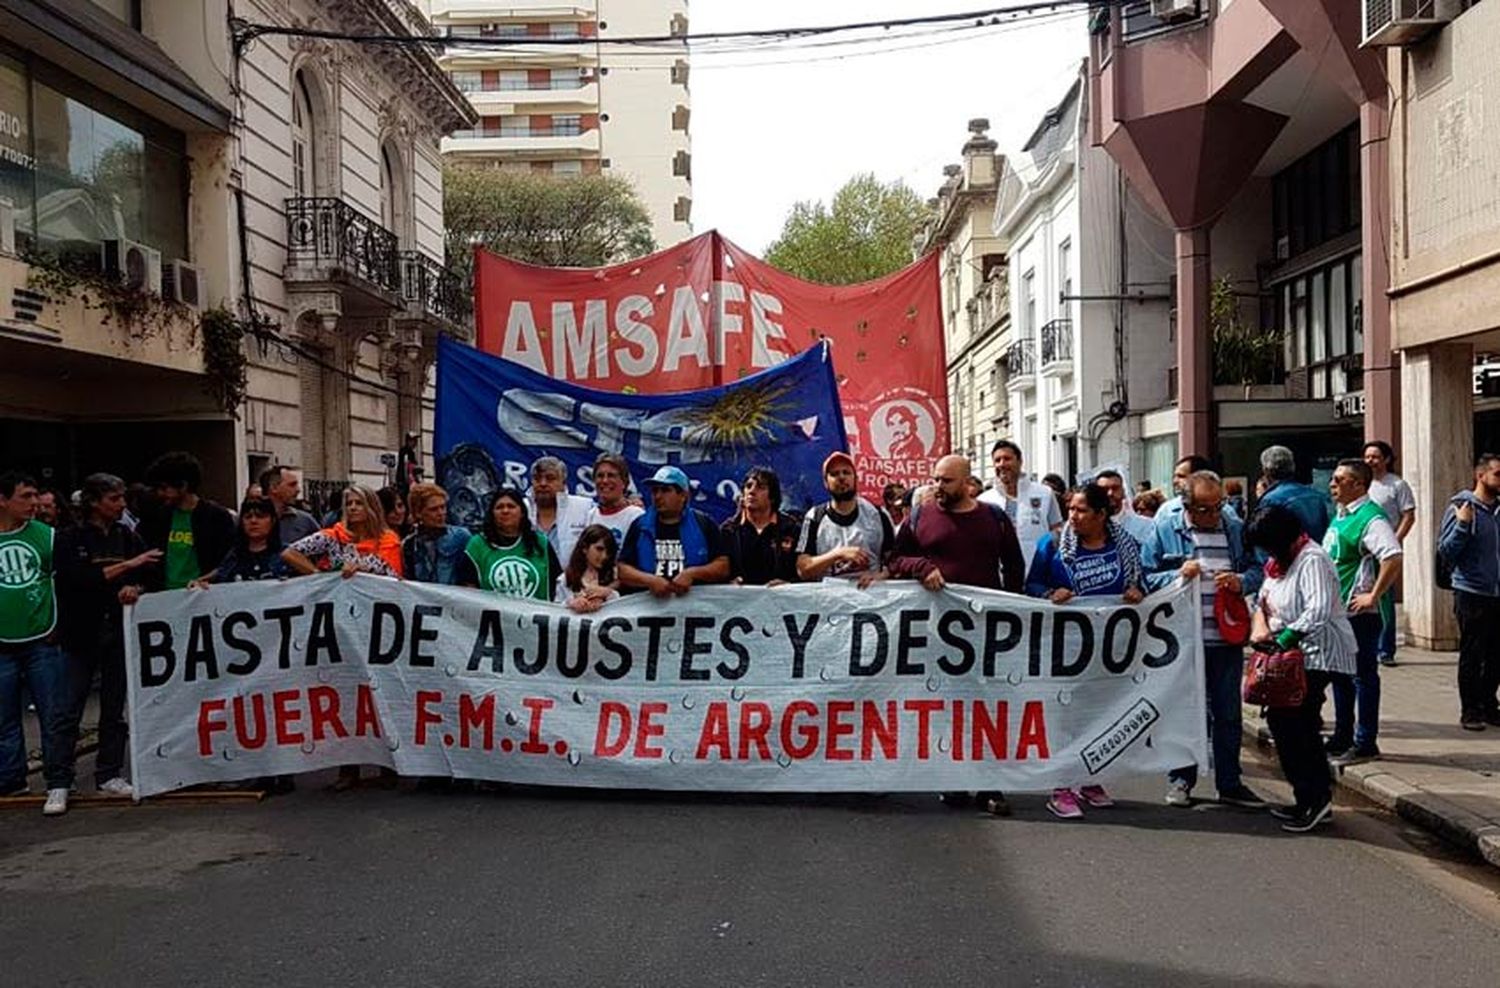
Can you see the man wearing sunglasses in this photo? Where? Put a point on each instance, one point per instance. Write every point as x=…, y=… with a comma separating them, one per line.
x=1206, y=541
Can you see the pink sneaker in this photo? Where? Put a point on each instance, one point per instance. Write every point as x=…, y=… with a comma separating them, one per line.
x=1064, y=805
x=1095, y=796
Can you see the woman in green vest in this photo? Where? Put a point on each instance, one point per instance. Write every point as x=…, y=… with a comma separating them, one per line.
x=510, y=557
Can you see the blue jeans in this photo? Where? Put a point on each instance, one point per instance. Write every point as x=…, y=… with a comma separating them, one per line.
x=1387, y=646
x=1362, y=692
x=44, y=671
x=1223, y=669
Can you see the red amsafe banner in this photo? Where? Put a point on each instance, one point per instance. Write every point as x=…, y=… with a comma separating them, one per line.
x=706, y=313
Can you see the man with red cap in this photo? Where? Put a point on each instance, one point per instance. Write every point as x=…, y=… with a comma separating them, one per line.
x=848, y=537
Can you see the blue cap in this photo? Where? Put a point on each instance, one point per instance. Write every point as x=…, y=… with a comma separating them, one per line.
x=670, y=477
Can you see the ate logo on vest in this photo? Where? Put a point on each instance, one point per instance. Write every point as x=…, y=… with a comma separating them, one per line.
x=515, y=577
x=20, y=566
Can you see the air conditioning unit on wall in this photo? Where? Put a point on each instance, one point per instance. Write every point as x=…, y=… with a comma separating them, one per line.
x=1393, y=23
x=134, y=264
x=1174, y=10
x=183, y=282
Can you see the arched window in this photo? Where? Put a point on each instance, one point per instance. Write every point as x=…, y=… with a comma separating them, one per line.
x=395, y=196
x=304, y=145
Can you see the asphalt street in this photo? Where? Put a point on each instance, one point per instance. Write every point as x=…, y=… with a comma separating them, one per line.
x=546, y=887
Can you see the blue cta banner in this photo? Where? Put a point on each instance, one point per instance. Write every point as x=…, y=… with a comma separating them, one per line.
x=495, y=417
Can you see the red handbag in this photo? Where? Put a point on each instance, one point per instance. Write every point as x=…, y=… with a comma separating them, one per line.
x=1276, y=679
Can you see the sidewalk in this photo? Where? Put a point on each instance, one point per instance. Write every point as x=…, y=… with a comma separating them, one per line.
x=1431, y=772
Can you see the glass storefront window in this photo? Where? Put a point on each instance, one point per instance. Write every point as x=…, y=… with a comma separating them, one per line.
x=17, y=164
x=80, y=169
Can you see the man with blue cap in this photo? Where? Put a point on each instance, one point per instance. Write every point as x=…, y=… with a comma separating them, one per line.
x=671, y=547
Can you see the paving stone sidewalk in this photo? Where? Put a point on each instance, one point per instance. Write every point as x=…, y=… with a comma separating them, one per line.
x=1431, y=772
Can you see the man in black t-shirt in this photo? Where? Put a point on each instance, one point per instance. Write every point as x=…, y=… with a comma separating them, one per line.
x=672, y=546
x=761, y=539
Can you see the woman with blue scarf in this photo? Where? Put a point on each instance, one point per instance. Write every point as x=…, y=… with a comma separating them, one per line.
x=1092, y=557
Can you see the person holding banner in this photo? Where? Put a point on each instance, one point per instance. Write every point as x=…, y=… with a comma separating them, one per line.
x=612, y=507
x=848, y=536
x=256, y=554
x=360, y=543
x=592, y=576
x=761, y=540
x=1206, y=542
x=1301, y=607
x=510, y=557
x=430, y=554
x=1093, y=556
x=1032, y=507
x=953, y=538
x=672, y=546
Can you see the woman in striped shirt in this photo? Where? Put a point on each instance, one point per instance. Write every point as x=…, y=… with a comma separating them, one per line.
x=1300, y=607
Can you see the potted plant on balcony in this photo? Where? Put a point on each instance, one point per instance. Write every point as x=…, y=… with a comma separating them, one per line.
x=1244, y=356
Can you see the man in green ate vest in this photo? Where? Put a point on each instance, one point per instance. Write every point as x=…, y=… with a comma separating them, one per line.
x=29, y=653
x=1367, y=557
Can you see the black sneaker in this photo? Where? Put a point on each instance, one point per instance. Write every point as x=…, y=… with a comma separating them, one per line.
x=995, y=803
x=1289, y=811
x=1334, y=748
x=1242, y=796
x=1309, y=819
x=1355, y=756
x=22, y=790
x=955, y=800
x=1471, y=723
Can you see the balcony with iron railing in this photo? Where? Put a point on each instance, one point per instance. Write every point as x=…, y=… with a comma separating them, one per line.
x=429, y=289
x=1020, y=366
x=329, y=240
x=1057, y=348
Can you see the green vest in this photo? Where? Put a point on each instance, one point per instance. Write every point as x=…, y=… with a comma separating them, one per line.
x=28, y=599
x=511, y=571
x=1342, y=544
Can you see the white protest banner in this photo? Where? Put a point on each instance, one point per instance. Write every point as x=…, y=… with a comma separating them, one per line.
x=813, y=687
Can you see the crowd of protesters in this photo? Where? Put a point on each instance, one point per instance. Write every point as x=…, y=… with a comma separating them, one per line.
x=1294, y=571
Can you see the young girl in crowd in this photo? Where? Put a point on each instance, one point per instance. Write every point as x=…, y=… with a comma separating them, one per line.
x=1092, y=557
x=257, y=548
x=360, y=543
x=510, y=557
x=590, y=579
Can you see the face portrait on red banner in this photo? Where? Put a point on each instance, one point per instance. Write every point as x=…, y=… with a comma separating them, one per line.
x=705, y=313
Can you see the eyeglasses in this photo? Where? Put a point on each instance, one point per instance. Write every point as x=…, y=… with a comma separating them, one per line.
x=1206, y=509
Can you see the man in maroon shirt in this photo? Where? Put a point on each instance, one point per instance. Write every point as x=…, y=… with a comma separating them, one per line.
x=954, y=538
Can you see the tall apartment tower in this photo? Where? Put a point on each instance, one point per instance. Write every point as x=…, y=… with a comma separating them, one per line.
x=578, y=109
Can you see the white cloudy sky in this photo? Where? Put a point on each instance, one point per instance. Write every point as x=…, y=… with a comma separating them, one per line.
x=765, y=136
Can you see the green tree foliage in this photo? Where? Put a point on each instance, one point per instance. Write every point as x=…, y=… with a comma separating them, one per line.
x=865, y=234
x=556, y=221
x=1243, y=355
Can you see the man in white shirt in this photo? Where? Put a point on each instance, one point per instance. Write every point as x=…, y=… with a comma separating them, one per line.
x=1395, y=498
x=560, y=516
x=1032, y=506
x=612, y=507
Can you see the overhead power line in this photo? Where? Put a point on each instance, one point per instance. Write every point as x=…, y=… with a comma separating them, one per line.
x=245, y=32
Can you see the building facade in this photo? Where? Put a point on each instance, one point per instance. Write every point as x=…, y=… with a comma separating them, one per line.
x=1257, y=130
x=1085, y=372
x=1444, y=289
x=974, y=289
x=290, y=184
x=555, y=96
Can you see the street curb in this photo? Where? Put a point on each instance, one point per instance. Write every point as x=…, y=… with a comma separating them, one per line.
x=1374, y=782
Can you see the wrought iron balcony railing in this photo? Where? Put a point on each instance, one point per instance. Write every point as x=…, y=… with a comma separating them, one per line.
x=437, y=290
x=1057, y=342
x=1020, y=359
x=330, y=233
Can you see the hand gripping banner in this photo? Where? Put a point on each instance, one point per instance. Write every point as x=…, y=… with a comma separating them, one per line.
x=495, y=417
x=814, y=687
x=706, y=313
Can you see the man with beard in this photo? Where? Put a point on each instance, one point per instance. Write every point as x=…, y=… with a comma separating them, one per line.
x=956, y=538
x=848, y=537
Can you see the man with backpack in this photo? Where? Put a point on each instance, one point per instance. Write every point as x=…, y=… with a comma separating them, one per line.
x=1469, y=564
x=847, y=536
